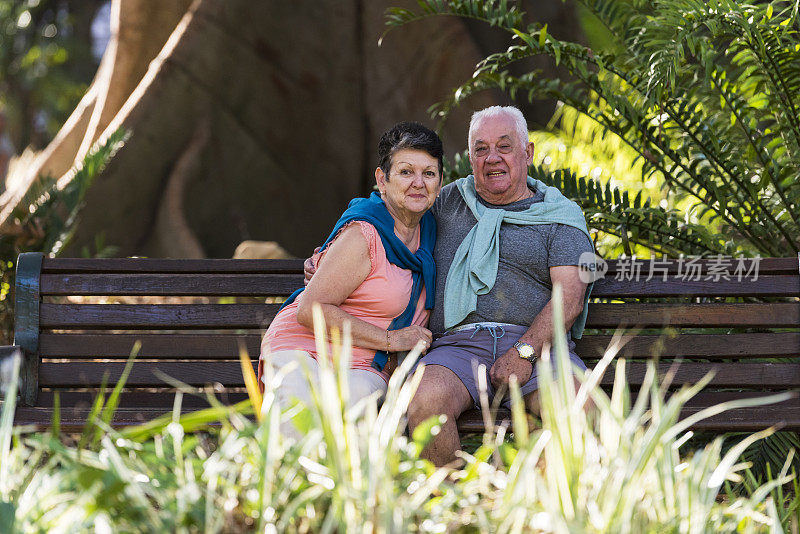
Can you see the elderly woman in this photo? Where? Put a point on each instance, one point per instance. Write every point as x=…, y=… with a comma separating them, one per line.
x=374, y=271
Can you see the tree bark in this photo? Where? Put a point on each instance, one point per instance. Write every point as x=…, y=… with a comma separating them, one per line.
x=294, y=95
x=172, y=229
x=139, y=30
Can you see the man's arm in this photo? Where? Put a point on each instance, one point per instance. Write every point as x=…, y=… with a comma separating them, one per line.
x=541, y=330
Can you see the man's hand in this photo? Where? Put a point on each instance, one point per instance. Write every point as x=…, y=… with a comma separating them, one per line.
x=309, y=268
x=510, y=364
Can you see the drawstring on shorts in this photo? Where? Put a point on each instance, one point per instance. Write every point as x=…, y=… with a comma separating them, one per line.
x=492, y=329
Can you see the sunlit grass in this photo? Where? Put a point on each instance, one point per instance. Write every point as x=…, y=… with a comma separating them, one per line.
x=614, y=468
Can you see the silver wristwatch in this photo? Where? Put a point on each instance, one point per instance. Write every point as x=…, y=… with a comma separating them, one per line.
x=526, y=351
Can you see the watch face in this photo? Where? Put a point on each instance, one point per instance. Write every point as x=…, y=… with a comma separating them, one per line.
x=525, y=351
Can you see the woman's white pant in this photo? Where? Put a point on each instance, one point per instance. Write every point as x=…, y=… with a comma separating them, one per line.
x=295, y=385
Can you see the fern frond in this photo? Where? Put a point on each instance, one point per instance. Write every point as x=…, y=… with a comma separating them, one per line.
x=707, y=93
x=494, y=12
x=609, y=209
x=51, y=211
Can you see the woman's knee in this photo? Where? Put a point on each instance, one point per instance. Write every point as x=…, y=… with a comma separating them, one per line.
x=292, y=371
x=365, y=383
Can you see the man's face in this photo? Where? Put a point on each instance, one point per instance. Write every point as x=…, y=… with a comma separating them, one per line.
x=500, y=161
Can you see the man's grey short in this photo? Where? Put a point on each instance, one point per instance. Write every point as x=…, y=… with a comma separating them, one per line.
x=463, y=350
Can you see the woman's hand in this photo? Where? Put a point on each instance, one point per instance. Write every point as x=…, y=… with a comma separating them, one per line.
x=408, y=337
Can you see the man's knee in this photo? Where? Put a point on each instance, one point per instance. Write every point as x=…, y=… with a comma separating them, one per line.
x=439, y=392
x=532, y=400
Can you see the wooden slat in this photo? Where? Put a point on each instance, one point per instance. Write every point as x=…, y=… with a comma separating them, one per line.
x=765, y=266
x=712, y=398
x=182, y=346
x=772, y=315
x=727, y=375
x=225, y=346
x=228, y=373
x=758, y=345
x=138, y=399
x=74, y=419
x=171, y=284
x=765, y=286
x=157, y=265
x=740, y=420
x=471, y=421
x=153, y=316
x=90, y=373
x=748, y=419
x=601, y=315
x=786, y=415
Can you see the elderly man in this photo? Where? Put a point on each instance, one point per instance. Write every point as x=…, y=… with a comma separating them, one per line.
x=504, y=241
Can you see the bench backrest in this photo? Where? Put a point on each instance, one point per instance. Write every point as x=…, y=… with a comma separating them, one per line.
x=191, y=315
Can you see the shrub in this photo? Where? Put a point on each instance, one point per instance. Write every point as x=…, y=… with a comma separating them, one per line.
x=614, y=469
x=704, y=92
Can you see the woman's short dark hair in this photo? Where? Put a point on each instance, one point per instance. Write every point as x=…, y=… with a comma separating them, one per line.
x=411, y=135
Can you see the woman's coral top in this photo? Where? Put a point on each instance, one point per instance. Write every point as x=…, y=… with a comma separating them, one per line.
x=381, y=297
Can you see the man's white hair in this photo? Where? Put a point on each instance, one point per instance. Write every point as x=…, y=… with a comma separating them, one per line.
x=520, y=125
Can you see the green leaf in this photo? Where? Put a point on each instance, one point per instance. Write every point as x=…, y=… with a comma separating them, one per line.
x=425, y=431
x=525, y=37
x=8, y=511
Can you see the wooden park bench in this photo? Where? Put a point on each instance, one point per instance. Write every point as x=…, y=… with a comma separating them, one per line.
x=190, y=316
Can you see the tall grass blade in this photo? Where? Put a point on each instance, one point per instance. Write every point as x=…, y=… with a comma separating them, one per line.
x=250, y=380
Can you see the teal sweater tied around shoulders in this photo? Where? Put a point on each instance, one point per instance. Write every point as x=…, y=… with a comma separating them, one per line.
x=423, y=269
x=474, y=268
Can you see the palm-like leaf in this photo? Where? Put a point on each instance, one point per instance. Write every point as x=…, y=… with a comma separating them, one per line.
x=705, y=92
x=52, y=209
x=610, y=210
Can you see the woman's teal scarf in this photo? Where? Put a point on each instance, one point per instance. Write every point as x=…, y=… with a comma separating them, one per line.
x=474, y=268
x=420, y=263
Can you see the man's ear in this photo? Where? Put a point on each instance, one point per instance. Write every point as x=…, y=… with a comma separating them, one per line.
x=529, y=152
x=380, y=179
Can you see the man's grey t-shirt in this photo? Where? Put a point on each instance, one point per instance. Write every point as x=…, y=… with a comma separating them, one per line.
x=527, y=252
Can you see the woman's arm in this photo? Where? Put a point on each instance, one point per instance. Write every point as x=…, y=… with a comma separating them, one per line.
x=346, y=265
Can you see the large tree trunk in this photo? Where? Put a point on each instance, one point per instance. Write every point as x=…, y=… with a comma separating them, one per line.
x=139, y=30
x=250, y=120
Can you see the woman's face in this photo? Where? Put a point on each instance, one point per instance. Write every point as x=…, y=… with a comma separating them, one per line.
x=413, y=182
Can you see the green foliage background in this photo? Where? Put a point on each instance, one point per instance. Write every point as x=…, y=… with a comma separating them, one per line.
x=46, y=64
x=705, y=94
